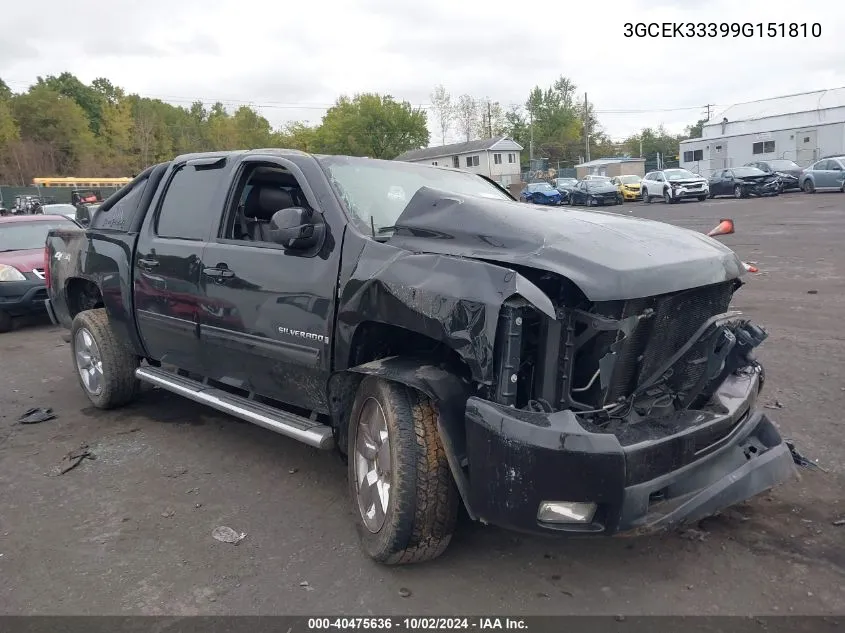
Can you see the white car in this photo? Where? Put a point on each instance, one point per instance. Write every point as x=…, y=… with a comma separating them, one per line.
x=674, y=185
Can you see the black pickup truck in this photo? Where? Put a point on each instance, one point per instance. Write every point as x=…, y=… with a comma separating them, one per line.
x=554, y=371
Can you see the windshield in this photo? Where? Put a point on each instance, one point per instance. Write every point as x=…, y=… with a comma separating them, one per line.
x=742, y=172
x=376, y=192
x=783, y=164
x=629, y=180
x=678, y=174
x=540, y=186
x=597, y=184
x=566, y=181
x=22, y=236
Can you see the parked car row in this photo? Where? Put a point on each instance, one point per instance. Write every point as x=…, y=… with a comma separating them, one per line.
x=22, y=284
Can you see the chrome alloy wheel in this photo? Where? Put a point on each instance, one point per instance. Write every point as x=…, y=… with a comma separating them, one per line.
x=88, y=361
x=373, y=468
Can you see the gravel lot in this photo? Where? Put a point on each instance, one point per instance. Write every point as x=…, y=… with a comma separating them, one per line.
x=130, y=531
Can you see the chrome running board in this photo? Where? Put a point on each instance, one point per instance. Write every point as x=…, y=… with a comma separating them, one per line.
x=291, y=425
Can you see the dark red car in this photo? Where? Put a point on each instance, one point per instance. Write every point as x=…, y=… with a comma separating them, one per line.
x=22, y=286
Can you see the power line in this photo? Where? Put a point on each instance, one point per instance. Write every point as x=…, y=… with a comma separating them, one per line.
x=312, y=105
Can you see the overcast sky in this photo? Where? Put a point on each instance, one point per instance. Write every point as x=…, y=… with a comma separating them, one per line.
x=278, y=54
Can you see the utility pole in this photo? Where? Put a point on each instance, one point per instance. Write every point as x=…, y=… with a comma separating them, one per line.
x=587, y=127
x=641, y=145
x=707, y=107
x=489, y=119
x=531, y=138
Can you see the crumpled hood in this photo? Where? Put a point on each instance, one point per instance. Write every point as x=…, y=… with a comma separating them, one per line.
x=24, y=261
x=608, y=256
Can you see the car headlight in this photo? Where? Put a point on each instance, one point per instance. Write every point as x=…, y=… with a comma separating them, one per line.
x=10, y=273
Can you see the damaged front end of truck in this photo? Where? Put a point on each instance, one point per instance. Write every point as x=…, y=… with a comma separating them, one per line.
x=611, y=388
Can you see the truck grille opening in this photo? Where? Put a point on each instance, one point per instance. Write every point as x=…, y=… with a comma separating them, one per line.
x=561, y=361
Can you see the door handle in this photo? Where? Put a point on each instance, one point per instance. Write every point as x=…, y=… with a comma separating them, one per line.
x=218, y=272
x=148, y=264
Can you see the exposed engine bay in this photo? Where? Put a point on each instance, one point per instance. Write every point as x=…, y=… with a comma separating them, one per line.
x=620, y=363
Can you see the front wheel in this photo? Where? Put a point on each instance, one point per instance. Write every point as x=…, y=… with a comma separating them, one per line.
x=667, y=197
x=403, y=495
x=809, y=187
x=646, y=197
x=702, y=198
x=105, y=365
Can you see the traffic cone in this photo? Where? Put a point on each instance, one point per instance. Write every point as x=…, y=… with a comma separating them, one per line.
x=726, y=227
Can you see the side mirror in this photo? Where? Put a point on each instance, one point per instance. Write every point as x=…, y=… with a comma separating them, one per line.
x=295, y=228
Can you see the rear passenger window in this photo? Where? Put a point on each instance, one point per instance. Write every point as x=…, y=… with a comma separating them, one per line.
x=186, y=211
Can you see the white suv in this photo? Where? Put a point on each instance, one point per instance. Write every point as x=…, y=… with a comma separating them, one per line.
x=674, y=185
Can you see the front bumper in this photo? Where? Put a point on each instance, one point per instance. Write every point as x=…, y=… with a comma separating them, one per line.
x=22, y=298
x=682, y=193
x=676, y=472
x=768, y=189
x=632, y=195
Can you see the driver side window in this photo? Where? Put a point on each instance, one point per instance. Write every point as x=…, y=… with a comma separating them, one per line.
x=261, y=191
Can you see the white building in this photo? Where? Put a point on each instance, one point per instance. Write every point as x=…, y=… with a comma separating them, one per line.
x=497, y=158
x=802, y=127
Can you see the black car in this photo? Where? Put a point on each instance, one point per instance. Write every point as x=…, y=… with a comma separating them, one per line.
x=595, y=193
x=787, y=170
x=741, y=182
x=565, y=186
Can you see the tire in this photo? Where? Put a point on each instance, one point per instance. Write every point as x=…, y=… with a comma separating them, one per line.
x=110, y=363
x=809, y=186
x=702, y=198
x=667, y=197
x=422, y=500
x=5, y=322
x=738, y=193
x=646, y=197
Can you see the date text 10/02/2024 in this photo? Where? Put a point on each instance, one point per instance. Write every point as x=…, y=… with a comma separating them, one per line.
x=723, y=29
x=417, y=623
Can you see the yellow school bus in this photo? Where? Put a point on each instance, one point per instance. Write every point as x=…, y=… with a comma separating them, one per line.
x=80, y=183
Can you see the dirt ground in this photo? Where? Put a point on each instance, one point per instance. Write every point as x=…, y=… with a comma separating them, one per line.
x=130, y=531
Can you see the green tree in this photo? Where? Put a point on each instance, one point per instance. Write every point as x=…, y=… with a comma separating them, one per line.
x=695, y=131
x=116, y=138
x=557, y=122
x=652, y=142
x=492, y=119
x=372, y=125
x=56, y=120
x=5, y=91
x=296, y=135
x=251, y=130
x=89, y=99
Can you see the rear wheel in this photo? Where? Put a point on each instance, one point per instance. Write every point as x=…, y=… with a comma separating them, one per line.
x=403, y=496
x=105, y=366
x=702, y=198
x=809, y=187
x=738, y=193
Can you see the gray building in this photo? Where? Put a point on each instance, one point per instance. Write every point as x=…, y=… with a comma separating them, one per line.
x=498, y=158
x=801, y=127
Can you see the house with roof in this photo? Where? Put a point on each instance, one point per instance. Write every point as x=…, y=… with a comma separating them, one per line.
x=497, y=158
x=617, y=166
x=801, y=127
